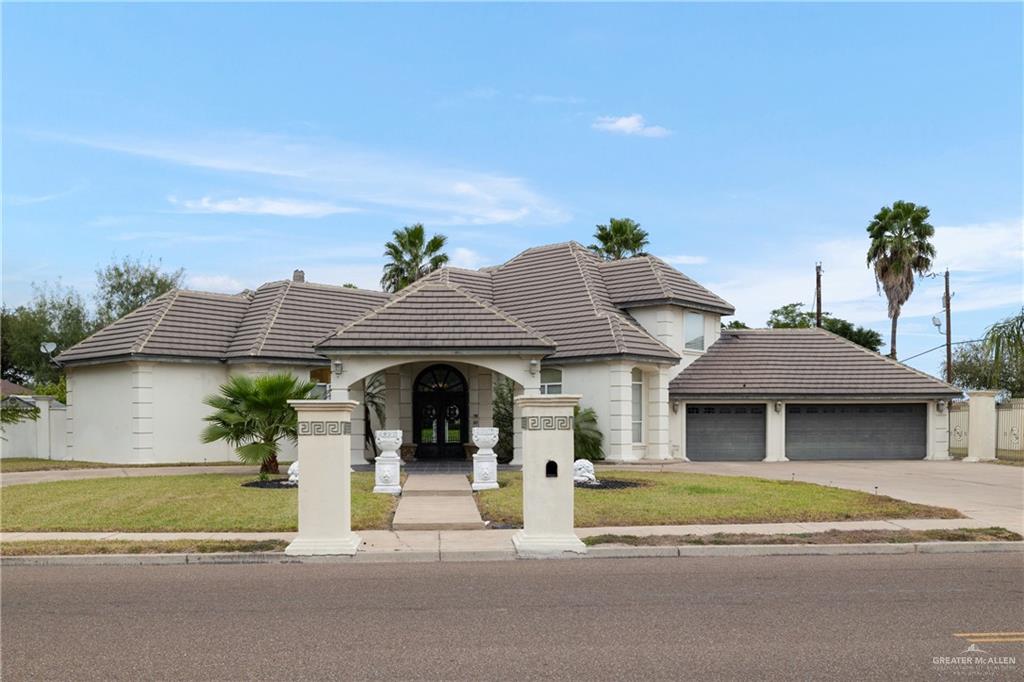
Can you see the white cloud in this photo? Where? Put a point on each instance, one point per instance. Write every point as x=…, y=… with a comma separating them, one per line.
x=26, y=200
x=335, y=174
x=466, y=258
x=220, y=283
x=683, y=259
x=984, y=262
x=633, y=124
x=178, y=237
x=291, y=208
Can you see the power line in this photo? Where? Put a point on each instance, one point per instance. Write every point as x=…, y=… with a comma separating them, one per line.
x=956, y=343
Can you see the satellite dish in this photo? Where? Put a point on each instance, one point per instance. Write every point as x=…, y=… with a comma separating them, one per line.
x=47, y=347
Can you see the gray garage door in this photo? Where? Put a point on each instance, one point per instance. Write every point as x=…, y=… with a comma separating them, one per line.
x=717, y=433
x=856, y=431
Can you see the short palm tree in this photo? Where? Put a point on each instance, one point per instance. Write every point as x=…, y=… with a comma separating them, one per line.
x=253, y=415
x=900, y=250
x=620, y=238
x=1005, y=339
x=587, y=437
x=411, y=256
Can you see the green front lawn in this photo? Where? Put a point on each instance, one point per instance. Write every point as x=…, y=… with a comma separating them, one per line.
x=16, y=464
x=680, y=499
x=198, y=503
x=831, y=537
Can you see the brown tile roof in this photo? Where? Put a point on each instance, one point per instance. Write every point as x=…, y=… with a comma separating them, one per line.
x=648, y=279
x=279, y=321
x=558, y=290
x=436, y=314
x=11, y=388
x=799, y=363
x=286, y=318
x=180, y=323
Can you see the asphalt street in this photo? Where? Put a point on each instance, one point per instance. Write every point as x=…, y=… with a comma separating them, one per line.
x=877, y=617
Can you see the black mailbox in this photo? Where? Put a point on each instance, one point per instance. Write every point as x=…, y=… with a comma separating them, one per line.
x=551, y=469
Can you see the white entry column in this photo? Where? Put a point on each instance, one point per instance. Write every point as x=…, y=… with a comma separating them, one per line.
x=325, y=478
x=546, y=425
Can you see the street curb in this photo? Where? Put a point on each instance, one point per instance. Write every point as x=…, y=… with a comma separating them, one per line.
x=598, y=552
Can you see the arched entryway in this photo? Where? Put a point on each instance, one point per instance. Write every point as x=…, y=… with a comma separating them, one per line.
x=440, y=404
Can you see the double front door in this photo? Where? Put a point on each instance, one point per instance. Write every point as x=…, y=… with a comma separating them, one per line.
x=440, y=419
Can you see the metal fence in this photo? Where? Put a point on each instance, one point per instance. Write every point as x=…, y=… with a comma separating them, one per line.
x=1009, y=430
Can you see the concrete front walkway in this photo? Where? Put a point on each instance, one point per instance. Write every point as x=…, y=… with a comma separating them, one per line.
x=437, y=502
x=18, y=477
x=991, y=494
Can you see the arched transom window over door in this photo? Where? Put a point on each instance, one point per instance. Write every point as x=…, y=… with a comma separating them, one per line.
x=440, y=406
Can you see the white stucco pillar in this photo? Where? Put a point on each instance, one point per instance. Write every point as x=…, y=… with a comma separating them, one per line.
x=620, y=413
x=529, y=387
x=325, y=478
x=393, y=406
x=548, y=490
x=359, y=448
x=938, y=431
x=981, y=426
x=775, y=431
x=484, y=397
x=657, y=414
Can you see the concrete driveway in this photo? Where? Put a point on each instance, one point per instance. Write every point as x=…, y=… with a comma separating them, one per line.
x=991, y=493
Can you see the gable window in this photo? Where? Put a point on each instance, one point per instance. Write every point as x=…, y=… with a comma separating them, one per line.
x=693, y=331
x=550, y=381
x=638, y=406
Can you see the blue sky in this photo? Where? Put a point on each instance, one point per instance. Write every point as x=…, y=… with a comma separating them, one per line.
x=242, y=141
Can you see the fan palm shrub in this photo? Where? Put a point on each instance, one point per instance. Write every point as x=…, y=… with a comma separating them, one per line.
x=253, y=416
x=587, y=439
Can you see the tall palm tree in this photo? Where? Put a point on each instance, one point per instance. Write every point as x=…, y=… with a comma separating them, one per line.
x=411, y=256
x=900, y=250
x=254, y=416
x=620, y=238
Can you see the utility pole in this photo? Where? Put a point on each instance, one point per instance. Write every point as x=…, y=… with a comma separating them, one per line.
x=817, y=295
x=949, y=333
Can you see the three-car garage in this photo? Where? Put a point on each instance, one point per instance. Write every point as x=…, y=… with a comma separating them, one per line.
x=806, y=394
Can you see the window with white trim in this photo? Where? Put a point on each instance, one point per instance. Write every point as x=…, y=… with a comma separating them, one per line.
x=693, y=331
x=550, y=381
x=638, y=405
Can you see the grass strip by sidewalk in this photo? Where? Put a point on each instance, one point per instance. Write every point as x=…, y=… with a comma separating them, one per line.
x=13, y=465
x=185, y=503
x=671, y=498
x=77, y=547
x=830, y=537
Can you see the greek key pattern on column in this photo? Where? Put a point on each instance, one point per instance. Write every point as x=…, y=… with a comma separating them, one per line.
x=547, y=423
x=325, y=428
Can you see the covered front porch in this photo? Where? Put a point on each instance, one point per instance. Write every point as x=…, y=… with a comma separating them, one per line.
x=435, y=400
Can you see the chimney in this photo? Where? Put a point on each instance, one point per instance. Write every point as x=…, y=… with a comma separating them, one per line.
x=298, y=276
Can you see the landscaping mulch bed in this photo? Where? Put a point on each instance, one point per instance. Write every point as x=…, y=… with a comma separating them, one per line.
x=610, y=484
x=271, y=484
x=831, y=537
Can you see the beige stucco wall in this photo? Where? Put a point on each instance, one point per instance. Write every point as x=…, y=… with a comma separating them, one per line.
x=99, y=413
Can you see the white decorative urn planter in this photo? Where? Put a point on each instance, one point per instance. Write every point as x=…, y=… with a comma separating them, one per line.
x=485, y=462
x=387, y=467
